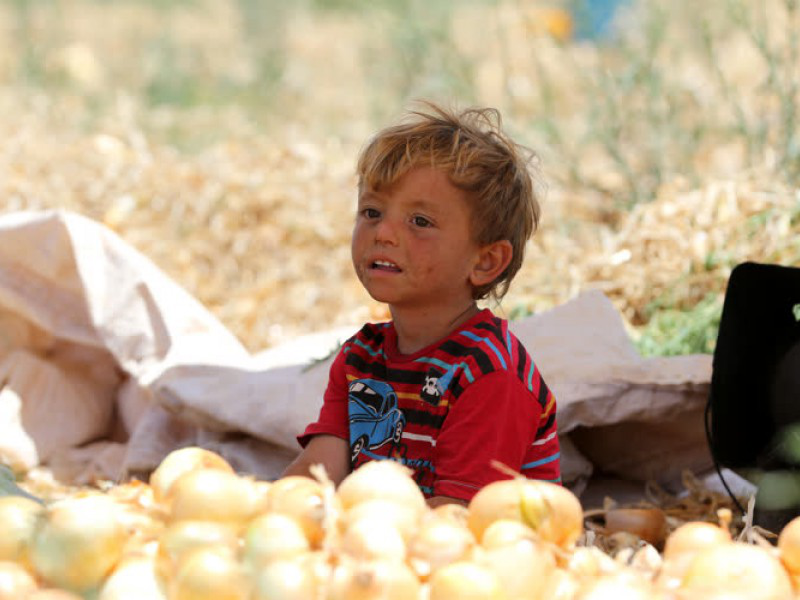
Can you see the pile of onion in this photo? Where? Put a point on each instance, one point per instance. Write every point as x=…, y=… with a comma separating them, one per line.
x=78, y=541
x=198, y=530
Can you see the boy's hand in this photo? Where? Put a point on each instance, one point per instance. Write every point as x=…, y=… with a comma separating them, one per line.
x=331, y=452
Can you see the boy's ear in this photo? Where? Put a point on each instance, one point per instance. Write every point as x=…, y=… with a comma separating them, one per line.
x=491, y=262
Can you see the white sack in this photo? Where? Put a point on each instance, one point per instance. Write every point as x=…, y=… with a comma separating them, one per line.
x=75, y=296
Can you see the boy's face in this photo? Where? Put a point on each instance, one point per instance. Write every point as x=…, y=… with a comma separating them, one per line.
x=411, y=244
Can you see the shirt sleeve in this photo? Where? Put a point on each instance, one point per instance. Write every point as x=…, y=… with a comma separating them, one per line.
x=495, y=418
x=333, y=414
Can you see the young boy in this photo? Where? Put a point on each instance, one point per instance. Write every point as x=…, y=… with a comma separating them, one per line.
x=445, y=207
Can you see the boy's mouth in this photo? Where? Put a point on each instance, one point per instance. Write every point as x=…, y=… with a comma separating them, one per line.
x=385, y=265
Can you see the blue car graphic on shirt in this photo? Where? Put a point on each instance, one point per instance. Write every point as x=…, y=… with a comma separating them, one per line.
x=374, y=416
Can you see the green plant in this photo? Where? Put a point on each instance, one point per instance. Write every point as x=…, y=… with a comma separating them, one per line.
x=673, y=332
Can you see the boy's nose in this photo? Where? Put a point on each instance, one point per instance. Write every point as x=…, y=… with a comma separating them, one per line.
x=386, y=232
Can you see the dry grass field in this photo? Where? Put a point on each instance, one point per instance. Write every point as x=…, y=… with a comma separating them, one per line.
x=219, y=138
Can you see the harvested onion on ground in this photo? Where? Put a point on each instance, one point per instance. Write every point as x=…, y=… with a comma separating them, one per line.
x=209, y=532
x=549, y=509
x=78, y=541
x=15, y=581
x=182, y=461
x=18, y=517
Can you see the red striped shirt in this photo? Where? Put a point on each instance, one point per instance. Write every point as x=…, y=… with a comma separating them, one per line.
x=446, y=411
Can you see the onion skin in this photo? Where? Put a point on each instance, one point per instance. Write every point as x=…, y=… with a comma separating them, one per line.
x=372, y=538
x=78, y=542
x=458, y=513
x=522, y=568
x=439, y=542
x=52, y=594
x=273, y=536
x=465, y=580
x=405, y=519
x=505, y=532
x=209, y=574
x=738, y=568
x=560, y=585
x=178, y=463
x=589, y=562
x=18, y=518
x=789, y=546
x=373, y=580
x=133, y=579
x=184, y=536
x=285, y=579
x=213, y=495
x=307, y=501
x=683, y=544
x=694, y=536
x=381, y=479
x=551, y=510
x=498, y=500
x=618, y=586
x=15, y=581
x=562, y=521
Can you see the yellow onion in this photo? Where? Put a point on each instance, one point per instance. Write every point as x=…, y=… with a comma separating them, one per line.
x=711, y=595
x=181, y=461
x=300, y=577
x=306, y=500
x=371, y=538
x=78, y=541
x=645, y=559
x=381, y=479
x=648, y=524
x=183, y=536
x=789, y=546
x=465, y=580
x=505, y=532
x=18, y=517
x=138, y=495
x=15, y=581
x=52, y=594
x=618, y=586
x=133, y=579
x=694, y=536
x=404, y=518
x=452, y=511
x=209, y=573
x=373, y=580
x=273, y=536
x=740, y=568
x=439, y=542
x=522, y=568
x=551, y=510
x=560, y=585
x=590, y=561
x=683, y=544
x=214, y=495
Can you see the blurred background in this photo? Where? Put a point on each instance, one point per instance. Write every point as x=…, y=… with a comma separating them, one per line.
x=219, y=138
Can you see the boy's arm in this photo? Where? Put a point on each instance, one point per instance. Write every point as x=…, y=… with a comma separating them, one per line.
x=439, y=500
x=330, y=451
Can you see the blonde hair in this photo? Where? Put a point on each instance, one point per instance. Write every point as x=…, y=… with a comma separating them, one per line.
x=479, y=158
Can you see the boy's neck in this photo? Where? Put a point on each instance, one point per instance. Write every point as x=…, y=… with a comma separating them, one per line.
x=419, y=329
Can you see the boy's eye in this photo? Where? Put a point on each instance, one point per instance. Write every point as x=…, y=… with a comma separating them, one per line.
x=371, y=213
x=420, y=221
